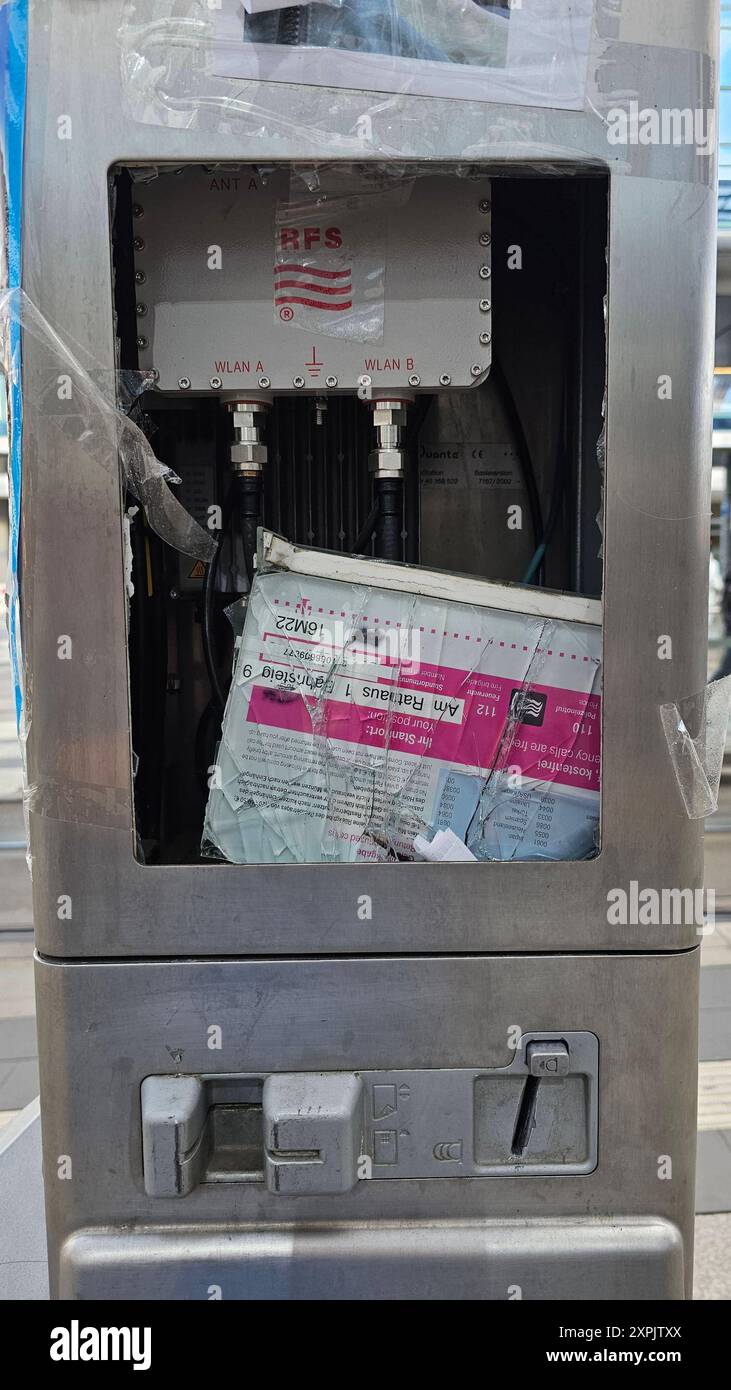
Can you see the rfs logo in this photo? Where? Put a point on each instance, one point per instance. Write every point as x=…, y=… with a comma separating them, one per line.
x=312, y=272
x=305, y=238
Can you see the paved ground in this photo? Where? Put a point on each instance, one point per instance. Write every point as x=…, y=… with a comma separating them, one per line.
x=18, y=1060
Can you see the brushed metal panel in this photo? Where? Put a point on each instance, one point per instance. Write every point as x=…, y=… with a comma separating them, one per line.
x=657, y=503
x=568, y=1260
x=104, y=1027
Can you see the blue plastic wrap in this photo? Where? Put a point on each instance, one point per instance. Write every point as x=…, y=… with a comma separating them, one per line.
x=13, y=64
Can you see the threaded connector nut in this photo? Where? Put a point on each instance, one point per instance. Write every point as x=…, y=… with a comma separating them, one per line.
x=247, y=454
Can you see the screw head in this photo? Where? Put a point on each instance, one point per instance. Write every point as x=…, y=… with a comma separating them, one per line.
x=485, y=205
x=485, y=239
x=476, y=369
x=331, y=381
x=138, y=210
x=264, y=381
x=445, y=379
x=215, y=383
x=485, y=338
x=142, y=341
x=485, y=272
x=184, y=383
x=414, y=380
x=139, y=245
x=364, y=381
x=173, y=593
x=298, y=381
x=140, y=310
x=140, y=277
x=485, y=306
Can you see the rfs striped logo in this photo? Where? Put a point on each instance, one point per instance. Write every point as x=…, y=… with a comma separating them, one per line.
x=300, y=281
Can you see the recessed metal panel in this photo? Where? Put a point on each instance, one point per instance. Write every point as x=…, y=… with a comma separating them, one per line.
x=245, y=279
x=323, y=1132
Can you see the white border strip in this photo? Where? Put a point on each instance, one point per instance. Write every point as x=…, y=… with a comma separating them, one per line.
x=408, y=579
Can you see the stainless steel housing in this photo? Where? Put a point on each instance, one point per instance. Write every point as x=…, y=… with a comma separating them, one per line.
x=450, y=957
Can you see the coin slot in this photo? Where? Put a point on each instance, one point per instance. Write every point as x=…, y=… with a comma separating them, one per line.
x=526, y=1116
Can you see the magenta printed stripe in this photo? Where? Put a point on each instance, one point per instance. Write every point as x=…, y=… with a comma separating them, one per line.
x=564, y=749
x=312, y=270
x=312, y=303
x=311, y=285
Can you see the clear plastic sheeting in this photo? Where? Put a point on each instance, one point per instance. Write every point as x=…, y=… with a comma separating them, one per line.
x=374, y=706
x=85, y=412
x=343, y=78
x=78, y=804
x=330, y=252
x=184, y=61
x=533, y=53
x=314, y=263
x=695, y=730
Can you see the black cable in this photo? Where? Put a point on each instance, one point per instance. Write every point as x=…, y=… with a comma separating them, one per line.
x=206, y=738
x=365, y=535
x=209, y=589
x=148, y=638
x=247, y=490
x=525, y=457
x=245, y=495
x=559, y=477
x=416, y=421
x=389, y=494
x=557, y=491
x=208, y=616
